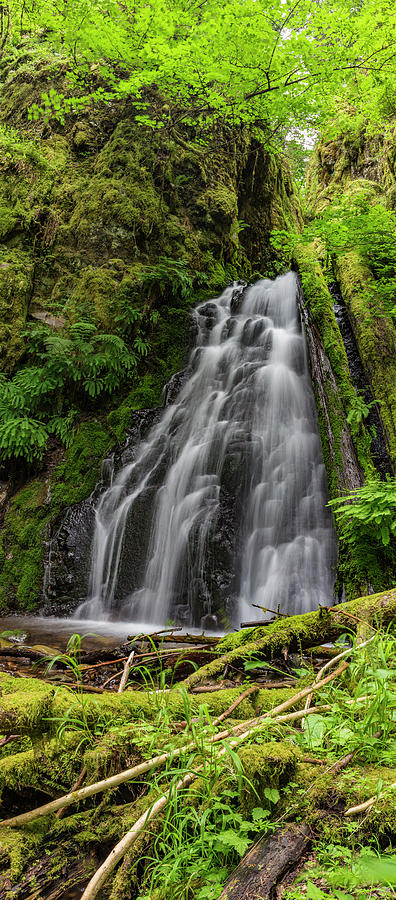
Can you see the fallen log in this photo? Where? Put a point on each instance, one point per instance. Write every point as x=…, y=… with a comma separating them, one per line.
x=263, y=866
x=295, y=632
x=57, y=875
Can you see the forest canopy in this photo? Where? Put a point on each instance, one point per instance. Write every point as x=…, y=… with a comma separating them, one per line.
x=271, y=63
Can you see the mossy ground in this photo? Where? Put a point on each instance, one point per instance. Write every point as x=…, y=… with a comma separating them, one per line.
x=277, y=780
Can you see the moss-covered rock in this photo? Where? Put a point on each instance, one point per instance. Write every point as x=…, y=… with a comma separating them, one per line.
x=267, y=765
x=16, y=280
x=375, y=337
x=33, y=508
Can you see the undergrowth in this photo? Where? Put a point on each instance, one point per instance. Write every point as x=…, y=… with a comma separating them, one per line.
x=207, y=827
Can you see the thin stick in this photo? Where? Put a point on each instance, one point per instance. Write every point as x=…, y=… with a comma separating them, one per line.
x=8, y=739
x=354, y=810
x=275, y=612
x=125, y=673
x=179, y=725
x=295, y=699
x=101, y=665
x=75, y=787
x=328, y=666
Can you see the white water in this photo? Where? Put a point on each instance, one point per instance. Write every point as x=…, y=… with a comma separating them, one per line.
x=251, y=386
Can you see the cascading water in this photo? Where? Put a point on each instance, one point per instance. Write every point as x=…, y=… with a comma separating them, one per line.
x=249, y=399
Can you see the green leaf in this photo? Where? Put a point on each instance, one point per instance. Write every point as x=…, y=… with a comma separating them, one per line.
x=233, y=840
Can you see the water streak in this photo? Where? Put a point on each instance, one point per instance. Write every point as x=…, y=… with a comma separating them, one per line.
x=249, y=393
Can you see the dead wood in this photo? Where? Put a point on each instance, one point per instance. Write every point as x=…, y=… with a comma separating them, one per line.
x=77, y=784
x=125, y=673
x=54, y=876
x=263, y=866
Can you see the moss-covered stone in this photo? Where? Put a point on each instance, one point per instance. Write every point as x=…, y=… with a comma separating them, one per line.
x=335, y=395
x=266, y=765
x=375, y=337
x=26, y=523
x=47, y=766
x=16, y=279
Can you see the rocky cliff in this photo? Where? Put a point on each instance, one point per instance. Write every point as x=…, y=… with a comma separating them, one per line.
x=111, y=223
x=347, y=262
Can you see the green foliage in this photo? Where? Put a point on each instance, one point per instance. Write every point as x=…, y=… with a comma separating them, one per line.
x=358, y=411
x=365, y=522
x=168, y=279
x=359, y=222
x=343, y=870
x=198, y=846
x=368, y=727
x=287, y=65
x=77, y=717
x=368, y=514
x=13, y=146
x=65, y=368
x=22, y=437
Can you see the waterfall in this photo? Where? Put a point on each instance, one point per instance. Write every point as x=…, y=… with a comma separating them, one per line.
x=243, y=427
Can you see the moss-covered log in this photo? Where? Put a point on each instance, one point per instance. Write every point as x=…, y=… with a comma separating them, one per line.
x=295, y=632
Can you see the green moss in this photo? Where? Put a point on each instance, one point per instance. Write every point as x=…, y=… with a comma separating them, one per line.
x=22, y=712
x=76, y=477
x=318, y=791
x=47, y=766
x=221, y=202
x=375, y=337
x=36, y=505
x=15, y=287
x=18, y=847
x=93, y=297
x=269, y=699
x=339, y=392
x=270, y=764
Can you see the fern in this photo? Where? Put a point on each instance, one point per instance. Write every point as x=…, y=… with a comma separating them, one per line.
x=83, y=361
x=168, y=278
x=23, y=437
x=62, y=426
x=369, y=512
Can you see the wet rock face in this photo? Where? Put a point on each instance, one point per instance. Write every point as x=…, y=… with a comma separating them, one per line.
x=379, y=451
x=68, y=557
x=208, y=602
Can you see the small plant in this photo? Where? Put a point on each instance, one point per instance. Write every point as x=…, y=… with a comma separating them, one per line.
x=78, y=716
x=169, y=278
x=368, y=512
x=367, y=726
x=359, y=411
x=364, y=873
x=41, y=398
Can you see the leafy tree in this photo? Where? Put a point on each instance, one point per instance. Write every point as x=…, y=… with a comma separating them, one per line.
x=271, y=63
